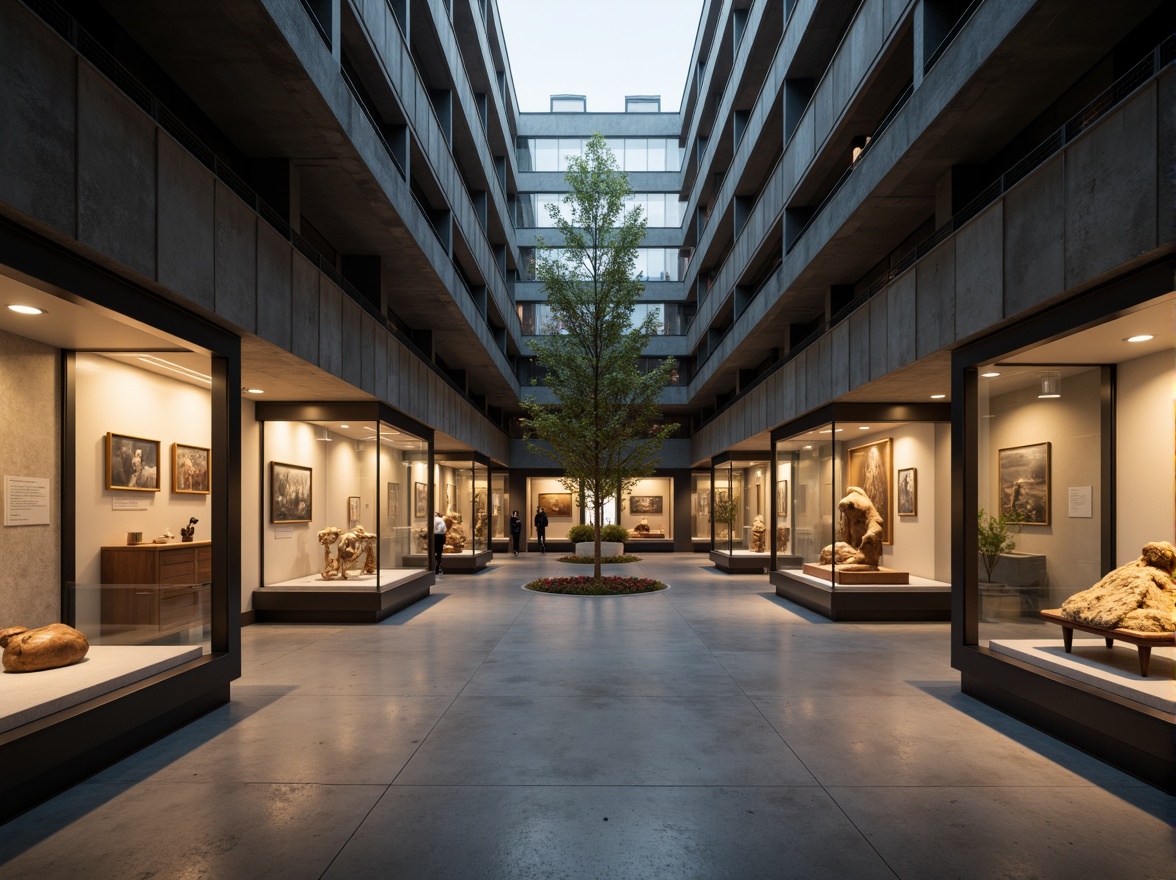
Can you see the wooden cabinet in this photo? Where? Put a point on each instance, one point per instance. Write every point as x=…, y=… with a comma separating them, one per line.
x=160, y=588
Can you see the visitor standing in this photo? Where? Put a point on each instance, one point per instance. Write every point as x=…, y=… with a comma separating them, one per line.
x=516, y=530
x=439, y=531
x=541, y=530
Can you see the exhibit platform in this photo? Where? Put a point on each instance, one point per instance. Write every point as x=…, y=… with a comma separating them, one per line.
x=454, y=563
x=852, y=577
x=1115, y=669
x=921, y=599
x=747, y=561
x=30, y=696
x=359, y=599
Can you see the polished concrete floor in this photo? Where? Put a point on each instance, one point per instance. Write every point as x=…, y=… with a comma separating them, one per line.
x=712, y=730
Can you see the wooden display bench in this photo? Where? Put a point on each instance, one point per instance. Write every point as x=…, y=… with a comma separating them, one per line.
x=837, y=575
x=1143, y=641
x=157, y=589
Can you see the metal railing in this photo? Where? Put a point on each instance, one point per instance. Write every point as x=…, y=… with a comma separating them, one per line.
x=1145, y=69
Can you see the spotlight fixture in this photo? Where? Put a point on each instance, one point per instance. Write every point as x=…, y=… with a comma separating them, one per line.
x=26, y=310
x=1051, y=386
x=321, y=433
x=1142, y=337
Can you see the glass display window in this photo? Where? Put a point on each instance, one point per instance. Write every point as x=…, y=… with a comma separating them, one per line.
x=740, y=497
x=700, y=506
x=499, y=506
x=561, y=505
x=1064, y=449
x=464, y=497
x=647, y=510
x=144, y=496
x=345, y=503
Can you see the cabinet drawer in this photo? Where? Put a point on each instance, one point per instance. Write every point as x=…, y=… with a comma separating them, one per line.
x=178, y=567
x=179, y=610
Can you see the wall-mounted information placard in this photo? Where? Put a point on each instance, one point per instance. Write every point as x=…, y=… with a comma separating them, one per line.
x=26, y=501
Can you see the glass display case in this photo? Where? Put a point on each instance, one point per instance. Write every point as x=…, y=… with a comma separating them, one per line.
x=700, y=507
x=740, y=510
x=861, y=504
x=647, y=510
x=1066, y=479
x=463, y=489
x=499, y=507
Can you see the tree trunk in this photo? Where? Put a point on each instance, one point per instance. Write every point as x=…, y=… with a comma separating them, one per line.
x=596, y=558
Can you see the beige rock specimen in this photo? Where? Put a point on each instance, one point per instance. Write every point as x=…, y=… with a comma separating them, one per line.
x=859, y=533
x=758, y=528
x=47, y=647
x=1139, y=596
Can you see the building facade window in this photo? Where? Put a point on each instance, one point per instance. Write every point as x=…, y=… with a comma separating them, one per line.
x=660, y=210
x=633, y=154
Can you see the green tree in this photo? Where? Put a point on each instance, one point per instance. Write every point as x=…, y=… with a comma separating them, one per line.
x=605, y=430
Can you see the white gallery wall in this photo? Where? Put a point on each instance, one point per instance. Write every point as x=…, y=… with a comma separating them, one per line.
x=1145, y=447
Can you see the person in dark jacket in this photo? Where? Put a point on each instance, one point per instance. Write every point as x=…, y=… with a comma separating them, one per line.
x=439, y=530
x=516, y=530
x=541, y=530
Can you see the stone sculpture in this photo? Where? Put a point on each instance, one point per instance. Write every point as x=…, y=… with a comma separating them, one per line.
x=859, y=533
x=189, y=530
x=758, y=529
x=47, y=647
x=350, y=546
x=455, y=536
x=783, y=535
x=1139, y=596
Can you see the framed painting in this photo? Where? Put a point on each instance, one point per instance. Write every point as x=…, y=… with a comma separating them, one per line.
x=645, y=504
x=394, y=501
x=556, y=503
x=704, y=503
x=420, y=500
x=782, y=499
x=1023, y=475
x=291, y=495
x=908, y=492
x=450, y=497
x=869, y=469
x=132, y=463
x=191, y=469
x=352, y=509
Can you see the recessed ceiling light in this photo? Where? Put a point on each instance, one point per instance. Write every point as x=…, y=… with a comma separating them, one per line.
x=938, y=396
x=164, y=364
x=991, y=374
x=863, y=427
x=808, y=447
x=1142, y=337
x=26, y=310
x=254, y=391
x=345, y=426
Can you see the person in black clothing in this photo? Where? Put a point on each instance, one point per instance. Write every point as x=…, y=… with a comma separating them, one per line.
x=439, y=530
x=516, y=530
x=541, y=530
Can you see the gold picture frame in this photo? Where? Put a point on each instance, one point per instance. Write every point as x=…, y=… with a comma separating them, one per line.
x=869, y=468
x=132, y=463
x=191, y=469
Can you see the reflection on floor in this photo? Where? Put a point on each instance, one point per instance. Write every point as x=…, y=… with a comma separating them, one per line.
x=487, y=731
x=27, y=696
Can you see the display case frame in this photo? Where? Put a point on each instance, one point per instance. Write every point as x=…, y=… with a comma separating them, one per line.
x=734, y=482
x=1123, y=731
x=337, y=600
x=921, y=597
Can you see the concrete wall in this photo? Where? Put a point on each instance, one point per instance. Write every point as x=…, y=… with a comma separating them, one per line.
x=1095, y=208
x=30, y=432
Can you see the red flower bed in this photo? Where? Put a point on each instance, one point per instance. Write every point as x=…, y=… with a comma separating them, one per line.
x=587, y=586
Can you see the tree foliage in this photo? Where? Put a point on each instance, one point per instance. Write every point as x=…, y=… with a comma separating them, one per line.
x=605, y=430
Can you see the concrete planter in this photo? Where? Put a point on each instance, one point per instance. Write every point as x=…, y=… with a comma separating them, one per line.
x=607, y=548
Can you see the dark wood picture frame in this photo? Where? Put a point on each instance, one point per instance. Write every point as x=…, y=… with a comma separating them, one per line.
x=556, y=503
x=907, y=500
x=353, y=502
x=420, y=500
x=646, y=504
x=291, y=493
x=191, y=469
x=132, y=463
x=1023, y=479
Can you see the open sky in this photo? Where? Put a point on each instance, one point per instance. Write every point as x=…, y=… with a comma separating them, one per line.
x=604, y=49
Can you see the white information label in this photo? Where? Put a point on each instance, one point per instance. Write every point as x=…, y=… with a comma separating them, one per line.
x=128, y=502
x=281, y=532
x=1081, y=502
x=26, y=501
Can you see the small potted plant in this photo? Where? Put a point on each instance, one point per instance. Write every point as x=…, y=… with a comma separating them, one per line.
x=994, y=537
x=724, y=511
